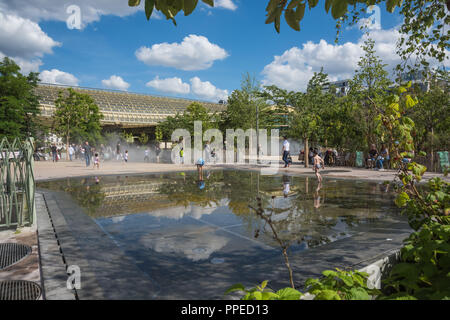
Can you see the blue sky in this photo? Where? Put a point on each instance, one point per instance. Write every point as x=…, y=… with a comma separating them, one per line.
x=204, y=57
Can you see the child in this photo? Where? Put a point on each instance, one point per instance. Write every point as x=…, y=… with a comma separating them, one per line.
x=200, y=163
x=96, y=161
x=125, y=158
x=181, y=155
x=318, y=163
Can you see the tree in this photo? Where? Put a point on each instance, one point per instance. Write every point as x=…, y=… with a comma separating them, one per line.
x=194, y=112
x=370, y=84
x=432, y=120
x=19, y=106
x=243, y=106
x=307, y=123
x=77, y=117
x=423, y=29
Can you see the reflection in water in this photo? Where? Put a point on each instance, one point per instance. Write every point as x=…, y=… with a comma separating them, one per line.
x=298, y=207
x=193, y=242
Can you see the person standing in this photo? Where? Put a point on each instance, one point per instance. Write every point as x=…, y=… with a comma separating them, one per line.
x=54, y=152
x=207, y=152
x=97, y=161
x=286, y=152
x=87, y=153
x=157, y=151
x=71, y=152
x=125, y=156
x=146, y=155
x=118, y=155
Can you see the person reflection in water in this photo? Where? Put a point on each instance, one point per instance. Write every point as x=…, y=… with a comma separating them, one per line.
x=317, y=196
x=286, y=186
x=201, y=183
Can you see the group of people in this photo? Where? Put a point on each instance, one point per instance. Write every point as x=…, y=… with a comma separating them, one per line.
x=314, y=158
x=376, y=159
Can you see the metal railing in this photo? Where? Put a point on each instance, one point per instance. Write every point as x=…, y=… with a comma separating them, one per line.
x=17, y=185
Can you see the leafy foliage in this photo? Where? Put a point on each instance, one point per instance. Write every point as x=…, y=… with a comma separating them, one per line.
x=341, y=285
x=77, y=117
x=18, y=104
x=194, y=112
x=262, y=292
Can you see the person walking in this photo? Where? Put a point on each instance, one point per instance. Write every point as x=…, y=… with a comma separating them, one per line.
x=87, y=153
x=125, y=156
x=285, y=151
x=317, y=164
x=147, y=155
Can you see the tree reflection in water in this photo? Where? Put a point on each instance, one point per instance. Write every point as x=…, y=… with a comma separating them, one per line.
x=303, y=213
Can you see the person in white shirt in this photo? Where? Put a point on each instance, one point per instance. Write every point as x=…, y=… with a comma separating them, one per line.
x=71, y=152
x=286, y=152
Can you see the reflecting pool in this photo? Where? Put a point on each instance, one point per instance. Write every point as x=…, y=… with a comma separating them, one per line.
x=196, y=237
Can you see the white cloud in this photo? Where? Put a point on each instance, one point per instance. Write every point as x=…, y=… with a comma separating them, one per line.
x=206, y=90
x=116, y=82
x=226, y=4
x=91, y=10
x=23, y=38
x=56, y=76
x=293, y=69
x=193, y=53
x=170, y=85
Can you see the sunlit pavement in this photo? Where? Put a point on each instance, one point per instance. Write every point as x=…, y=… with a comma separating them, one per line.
x=49, y=170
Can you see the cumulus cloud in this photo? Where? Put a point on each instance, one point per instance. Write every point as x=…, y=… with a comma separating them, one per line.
x=206, y=90
x=170, y=85
x=226, y=4
x=116, y=82
x=293, y=69
x=91, y=10
x=21, y=37
x=193, y=53
x=56, y=76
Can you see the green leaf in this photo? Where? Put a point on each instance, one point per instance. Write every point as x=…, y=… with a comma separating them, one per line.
x=347, y=280
x=189, y=6
x=327, y=295
x=149, y=5
x=289, y=294
x=235, y=287
x=293, y=4
x=328, y=273
x=339, y=8
x=257, y=295
x=209, y=2
x=390, y=5
x=401, y=199
x=264, y=284
x=134, y=3
x=358, y=294
x=300, y=12
x=328, y=4
x=291, y=19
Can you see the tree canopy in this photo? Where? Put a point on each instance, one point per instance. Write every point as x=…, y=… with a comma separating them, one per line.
x=77, y=117
x=19, y=105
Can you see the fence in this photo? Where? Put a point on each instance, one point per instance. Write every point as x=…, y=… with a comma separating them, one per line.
x=17, y=186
